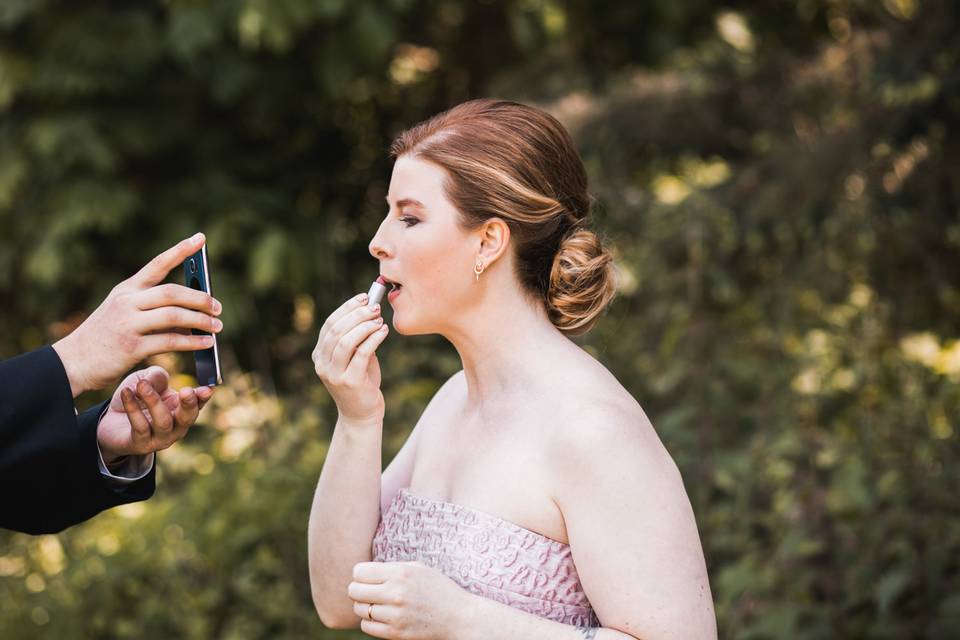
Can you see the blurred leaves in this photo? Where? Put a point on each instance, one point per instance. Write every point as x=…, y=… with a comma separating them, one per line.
x=780, y=184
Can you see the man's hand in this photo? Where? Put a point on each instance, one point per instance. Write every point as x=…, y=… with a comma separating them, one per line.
x=138, y=319
x=146, y=415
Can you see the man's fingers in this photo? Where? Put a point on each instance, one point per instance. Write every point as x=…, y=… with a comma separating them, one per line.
x=188, y=410
x=166, y=342
x=157, y=269
x=157, y=376
x=167, y=318
x=170, y=398
x=140, y=428
x=160, y=415
x=203, y=395
x=177, y=295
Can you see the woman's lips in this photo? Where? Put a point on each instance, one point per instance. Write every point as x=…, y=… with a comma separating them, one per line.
x=392, y=295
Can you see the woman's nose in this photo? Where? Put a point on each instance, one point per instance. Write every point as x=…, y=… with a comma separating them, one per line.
x=377, y=246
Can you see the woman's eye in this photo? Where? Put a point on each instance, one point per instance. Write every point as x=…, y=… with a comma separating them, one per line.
x=407, y=220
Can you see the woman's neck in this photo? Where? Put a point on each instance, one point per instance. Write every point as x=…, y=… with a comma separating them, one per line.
x=507, y=346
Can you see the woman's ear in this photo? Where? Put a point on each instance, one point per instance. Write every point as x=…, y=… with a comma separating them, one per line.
x=494, y=238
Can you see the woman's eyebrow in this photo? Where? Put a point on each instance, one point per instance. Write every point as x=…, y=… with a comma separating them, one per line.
x=406, y=202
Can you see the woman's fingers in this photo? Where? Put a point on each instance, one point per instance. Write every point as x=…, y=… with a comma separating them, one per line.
x=348, y=306
x=344, y=326
x=376, y=629
x=382, y=613
x=328, y=324
x=343, y=352
x=335, y=332
x=364, y=592
x=357, y=368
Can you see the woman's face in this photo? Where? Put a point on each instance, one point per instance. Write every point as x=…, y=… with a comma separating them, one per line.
x=421, y=246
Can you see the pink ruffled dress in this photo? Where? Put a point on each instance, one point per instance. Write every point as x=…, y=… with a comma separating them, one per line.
x=485, y=555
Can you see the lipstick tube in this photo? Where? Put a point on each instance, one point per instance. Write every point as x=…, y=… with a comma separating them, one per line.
x=377, y=291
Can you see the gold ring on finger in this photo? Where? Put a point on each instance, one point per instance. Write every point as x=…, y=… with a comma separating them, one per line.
x=370, y=611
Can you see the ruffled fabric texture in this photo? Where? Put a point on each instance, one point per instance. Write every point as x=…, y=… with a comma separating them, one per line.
x=485, y=555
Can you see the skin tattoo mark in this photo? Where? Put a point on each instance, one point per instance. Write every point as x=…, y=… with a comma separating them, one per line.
x=588, y=632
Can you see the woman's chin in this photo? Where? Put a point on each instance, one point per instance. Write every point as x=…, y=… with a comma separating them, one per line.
x=405, y=328
x=398, y=326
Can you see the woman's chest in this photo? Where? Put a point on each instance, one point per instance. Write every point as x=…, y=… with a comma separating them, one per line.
x=502, y=469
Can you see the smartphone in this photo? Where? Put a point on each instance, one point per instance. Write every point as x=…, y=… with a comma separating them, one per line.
x=196, y=270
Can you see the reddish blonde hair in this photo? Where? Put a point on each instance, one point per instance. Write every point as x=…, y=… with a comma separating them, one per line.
x=518, y=163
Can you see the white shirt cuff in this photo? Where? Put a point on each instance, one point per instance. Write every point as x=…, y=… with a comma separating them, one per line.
x=133, y=469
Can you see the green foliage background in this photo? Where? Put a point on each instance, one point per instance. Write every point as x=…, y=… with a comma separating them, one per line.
x=780, y=181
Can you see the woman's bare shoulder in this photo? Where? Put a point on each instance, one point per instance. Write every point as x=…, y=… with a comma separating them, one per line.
x=595, y=416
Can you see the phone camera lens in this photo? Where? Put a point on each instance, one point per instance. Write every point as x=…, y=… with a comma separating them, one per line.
x=193, y=265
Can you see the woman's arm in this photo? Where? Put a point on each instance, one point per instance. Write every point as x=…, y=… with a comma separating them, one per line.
x=484, y=618
x=631, y=527
x=347, y=506
x=344, y=518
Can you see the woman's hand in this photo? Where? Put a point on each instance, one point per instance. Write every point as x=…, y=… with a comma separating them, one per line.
x=344, y=360
x=410, y=601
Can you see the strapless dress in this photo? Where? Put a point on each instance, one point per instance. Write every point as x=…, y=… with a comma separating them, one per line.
x=485, y=555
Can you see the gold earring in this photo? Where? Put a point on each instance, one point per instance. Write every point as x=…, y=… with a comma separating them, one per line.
x=477, y=270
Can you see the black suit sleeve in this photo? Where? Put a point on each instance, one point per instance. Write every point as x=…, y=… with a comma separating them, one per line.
x=49, y=463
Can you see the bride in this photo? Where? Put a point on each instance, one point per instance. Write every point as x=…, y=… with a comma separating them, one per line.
x=533, y=498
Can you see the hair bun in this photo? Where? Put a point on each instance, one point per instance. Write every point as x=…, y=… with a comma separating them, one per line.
x=583, y=281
